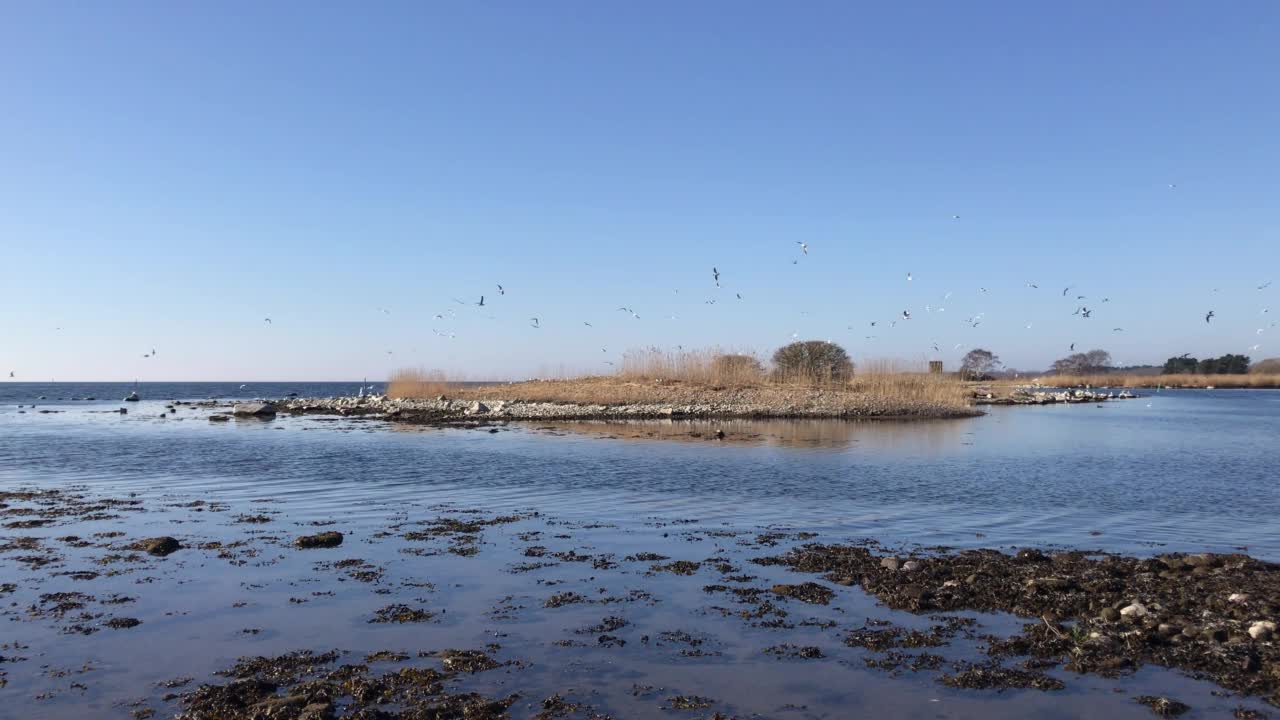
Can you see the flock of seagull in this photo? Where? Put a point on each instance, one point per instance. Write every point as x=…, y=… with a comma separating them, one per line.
x=1082, y=310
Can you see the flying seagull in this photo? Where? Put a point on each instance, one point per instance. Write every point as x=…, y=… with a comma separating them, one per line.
x=1254, y=347
x=1208, y=317
x=481, y=303
x=1265, y=285
x=584, y=322
x=908, y=277
x=534, y=321
x=1085, y=312
x=10, y=373
x=633, y=312
x=267, y=320
x=1072, y=348
x=739, y=295
x=906, y=314
x=982, y=290
x=1033, y=285
x=715, y=274
x=501, y=291
x=1064, y=290
x=804, y=247
x=1117, y=329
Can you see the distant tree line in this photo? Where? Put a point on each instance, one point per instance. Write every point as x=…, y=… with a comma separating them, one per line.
x=1225, y=365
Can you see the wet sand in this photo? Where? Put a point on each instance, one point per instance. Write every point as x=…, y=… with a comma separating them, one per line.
x=163, y=605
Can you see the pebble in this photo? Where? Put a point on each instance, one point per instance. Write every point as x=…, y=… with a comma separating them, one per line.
x=1238, y=598
x=1135, y=610
x=1262, y=630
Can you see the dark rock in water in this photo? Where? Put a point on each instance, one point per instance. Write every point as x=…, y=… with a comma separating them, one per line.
x=158, y=546
x=124, y=411
x=254, y=409
x=1163, y=706
x=121, y=623
x=216, y=418
x=327, y=539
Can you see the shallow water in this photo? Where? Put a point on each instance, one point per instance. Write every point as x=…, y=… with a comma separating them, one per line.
x=1188, y=470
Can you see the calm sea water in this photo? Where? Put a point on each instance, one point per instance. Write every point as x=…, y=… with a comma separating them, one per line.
x=1175, y=470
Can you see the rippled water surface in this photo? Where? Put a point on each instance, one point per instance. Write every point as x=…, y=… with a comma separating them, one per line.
x=1183, y=470
x=1188, y=469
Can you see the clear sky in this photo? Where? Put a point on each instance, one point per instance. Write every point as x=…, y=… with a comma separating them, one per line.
x=173, y=173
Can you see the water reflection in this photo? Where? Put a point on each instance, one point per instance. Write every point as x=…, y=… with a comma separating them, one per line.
x=913, y=436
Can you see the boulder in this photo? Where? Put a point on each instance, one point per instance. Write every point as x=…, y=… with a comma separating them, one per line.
x=158, y=546
x=254, y=409
x=477, y=408
x=327, y=539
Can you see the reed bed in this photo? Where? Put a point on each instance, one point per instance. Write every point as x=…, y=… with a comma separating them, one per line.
x=1251, y=380
x=419, y=384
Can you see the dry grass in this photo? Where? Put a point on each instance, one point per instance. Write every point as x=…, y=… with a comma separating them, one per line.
x=712, y=366
x=720, y=378
x=419, y=384
x=1252, y=380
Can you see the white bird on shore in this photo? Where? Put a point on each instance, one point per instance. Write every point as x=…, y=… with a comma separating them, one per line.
x=534, y=322
x=804, y=247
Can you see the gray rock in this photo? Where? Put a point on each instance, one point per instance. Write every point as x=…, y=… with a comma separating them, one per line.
x=254, y=409
x=910, y=566
x=219, y=418
x=477, y=408
x=1110, y=614
x=890, y=563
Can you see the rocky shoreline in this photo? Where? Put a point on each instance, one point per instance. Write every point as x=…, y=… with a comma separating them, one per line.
x=675, y=593
x=444, y=410
x=1032, y=395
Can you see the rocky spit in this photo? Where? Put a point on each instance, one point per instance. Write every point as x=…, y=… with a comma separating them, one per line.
x=1031, y=395
x=443, y=410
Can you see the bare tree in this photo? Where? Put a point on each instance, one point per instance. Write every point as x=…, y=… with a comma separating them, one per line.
x=978, y=364
x=813, y=361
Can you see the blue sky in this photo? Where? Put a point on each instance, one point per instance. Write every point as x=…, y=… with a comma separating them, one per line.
x=172, y=174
